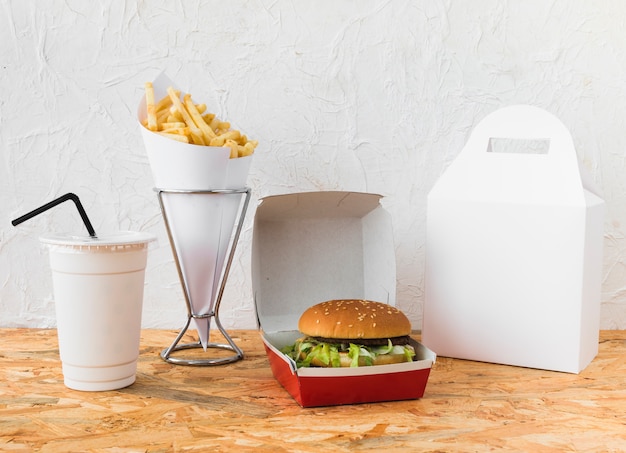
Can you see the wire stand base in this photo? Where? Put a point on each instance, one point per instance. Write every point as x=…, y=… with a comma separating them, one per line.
x=176, y=346
x=166, y=354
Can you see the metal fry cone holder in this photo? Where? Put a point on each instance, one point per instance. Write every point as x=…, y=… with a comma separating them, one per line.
x=213, y=314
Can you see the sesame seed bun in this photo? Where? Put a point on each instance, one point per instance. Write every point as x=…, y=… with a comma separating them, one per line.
x=354, y=319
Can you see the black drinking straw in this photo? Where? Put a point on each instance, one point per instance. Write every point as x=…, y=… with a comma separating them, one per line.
x=53, y=203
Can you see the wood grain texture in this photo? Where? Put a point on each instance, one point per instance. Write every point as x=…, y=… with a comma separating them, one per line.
x=468, y=406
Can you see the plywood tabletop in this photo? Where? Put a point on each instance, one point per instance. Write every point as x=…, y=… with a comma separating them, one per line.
x=468, y=406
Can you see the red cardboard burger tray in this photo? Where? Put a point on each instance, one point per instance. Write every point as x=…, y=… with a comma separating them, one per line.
x=314, y=387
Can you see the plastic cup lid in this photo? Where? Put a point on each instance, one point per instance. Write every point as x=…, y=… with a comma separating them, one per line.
x=119, y=238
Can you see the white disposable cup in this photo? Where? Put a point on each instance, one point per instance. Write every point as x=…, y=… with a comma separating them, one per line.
x=98, y=294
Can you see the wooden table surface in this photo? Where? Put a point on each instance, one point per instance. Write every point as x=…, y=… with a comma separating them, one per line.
x=468, y=406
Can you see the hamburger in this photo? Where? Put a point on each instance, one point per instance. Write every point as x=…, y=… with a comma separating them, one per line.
x=351, y=333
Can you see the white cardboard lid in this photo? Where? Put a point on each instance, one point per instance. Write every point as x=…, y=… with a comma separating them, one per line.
x=316, y=246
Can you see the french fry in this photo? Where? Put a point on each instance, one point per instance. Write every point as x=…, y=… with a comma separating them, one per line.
x=165, y=102
x=150, y=107
x=207, y=132
x=196, y=136
x=243, y=151
x=175, y=114
x=162, y=116
x=250, y=146
x=178, y=130
x=195, y=133
x=215, y=122
x=174, y=125
x=223, y=138
x=234, y=150
x=178, y=137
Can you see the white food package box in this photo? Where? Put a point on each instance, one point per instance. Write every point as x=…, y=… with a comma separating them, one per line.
x=514, y=248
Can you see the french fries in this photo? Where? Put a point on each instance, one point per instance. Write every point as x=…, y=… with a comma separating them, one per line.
x=187, y=122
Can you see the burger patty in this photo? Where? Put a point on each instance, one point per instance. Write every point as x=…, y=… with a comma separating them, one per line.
x=405, y=339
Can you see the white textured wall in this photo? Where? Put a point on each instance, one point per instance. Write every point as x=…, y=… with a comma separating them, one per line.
x=350, y=95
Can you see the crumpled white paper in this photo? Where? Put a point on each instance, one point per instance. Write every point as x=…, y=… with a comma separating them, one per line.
x=201, y=225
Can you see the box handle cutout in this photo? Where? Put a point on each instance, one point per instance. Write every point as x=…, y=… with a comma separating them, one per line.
x=518, y=146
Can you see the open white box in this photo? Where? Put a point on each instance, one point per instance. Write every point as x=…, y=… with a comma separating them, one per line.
x=514, y=249
x=317, y=246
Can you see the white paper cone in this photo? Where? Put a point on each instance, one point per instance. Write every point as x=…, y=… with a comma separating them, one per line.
x=177, y=165
x=195, y=229
x=201, y=225
x=237, y=174
x=236, y=179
